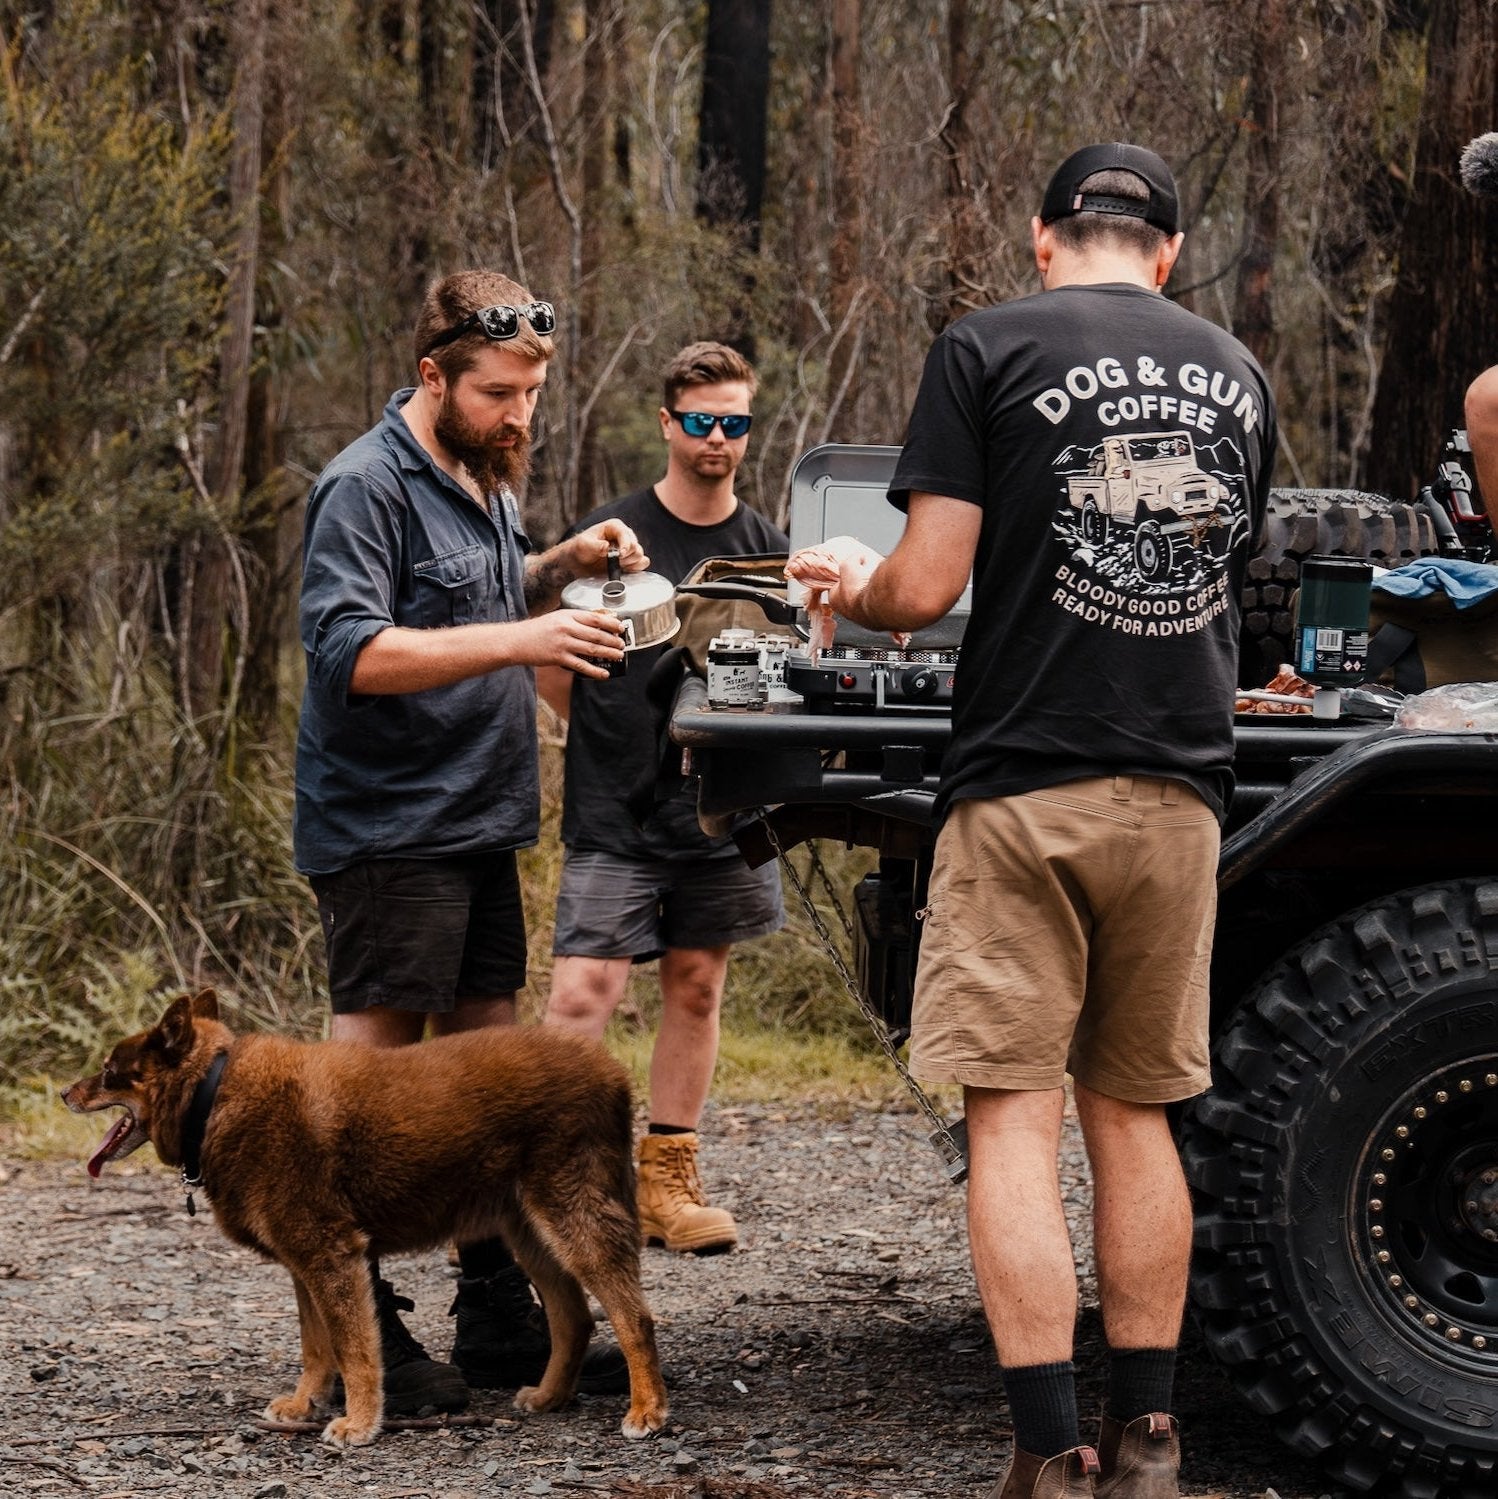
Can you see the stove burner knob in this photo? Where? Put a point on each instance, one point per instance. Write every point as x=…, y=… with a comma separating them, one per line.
x=847, y=680
x=918, y=683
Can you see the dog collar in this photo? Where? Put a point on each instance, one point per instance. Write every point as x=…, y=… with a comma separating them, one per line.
x=195, y=1125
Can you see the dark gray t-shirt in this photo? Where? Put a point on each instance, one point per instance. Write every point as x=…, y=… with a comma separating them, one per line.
x=611, y=739
x=392, y=540
x=1120, y=449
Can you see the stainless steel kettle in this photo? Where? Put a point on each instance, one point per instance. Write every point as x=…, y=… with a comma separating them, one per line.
x=645, y=602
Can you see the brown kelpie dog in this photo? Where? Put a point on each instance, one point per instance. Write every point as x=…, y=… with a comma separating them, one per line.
x=322, y=1154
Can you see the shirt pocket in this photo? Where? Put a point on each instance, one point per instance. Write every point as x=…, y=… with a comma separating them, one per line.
x=457, y=588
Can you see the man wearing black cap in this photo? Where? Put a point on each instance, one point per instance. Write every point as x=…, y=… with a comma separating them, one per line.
x=1098, y=458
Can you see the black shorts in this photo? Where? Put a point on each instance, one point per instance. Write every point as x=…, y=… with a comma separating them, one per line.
x=422, y=934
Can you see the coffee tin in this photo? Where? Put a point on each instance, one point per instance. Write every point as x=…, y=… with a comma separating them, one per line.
x=1331, y=627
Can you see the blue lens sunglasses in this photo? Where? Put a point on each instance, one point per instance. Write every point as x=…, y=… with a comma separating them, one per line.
x=700, y=423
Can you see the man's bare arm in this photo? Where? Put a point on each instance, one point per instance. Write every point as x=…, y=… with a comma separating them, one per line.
x=920, y=581
x=399, y=659
x=1482, y=433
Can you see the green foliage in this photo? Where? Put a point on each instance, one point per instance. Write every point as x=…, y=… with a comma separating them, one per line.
x=133, y=864
x=108, y=279
x=142, y=849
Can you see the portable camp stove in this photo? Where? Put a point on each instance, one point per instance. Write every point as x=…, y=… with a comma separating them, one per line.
x=872, y=679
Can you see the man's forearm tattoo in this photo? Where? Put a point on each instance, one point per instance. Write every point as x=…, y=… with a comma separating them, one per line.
x=545, y=577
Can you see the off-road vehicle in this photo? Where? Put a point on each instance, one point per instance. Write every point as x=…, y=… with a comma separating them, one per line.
x=1344, y=1164
x=1149, y=484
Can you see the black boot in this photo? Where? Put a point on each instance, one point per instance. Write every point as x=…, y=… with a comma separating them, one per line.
x=502, y=1342
x=413, y=1381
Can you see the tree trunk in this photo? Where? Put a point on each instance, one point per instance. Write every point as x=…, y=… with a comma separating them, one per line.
x=1253, y=319
x=731, y=134
x=846, y=252
x=964, y=268
x=505, y=115
x=601, y=23
x=273, y=512
x=1443, y=318
x=209, y=562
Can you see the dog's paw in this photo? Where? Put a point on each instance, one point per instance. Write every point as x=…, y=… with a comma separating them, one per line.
x=643, y=1421
x=534, y=1400
x=341, y=1431
x=289, y=1408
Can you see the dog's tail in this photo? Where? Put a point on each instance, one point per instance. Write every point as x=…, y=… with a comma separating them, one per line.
x=622, y=1128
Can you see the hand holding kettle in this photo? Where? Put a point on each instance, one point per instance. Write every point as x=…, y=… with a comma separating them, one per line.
x=644, y=604
x=591, y=548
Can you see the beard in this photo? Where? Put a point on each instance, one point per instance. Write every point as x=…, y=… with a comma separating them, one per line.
x=492, y=466
x=709, y=463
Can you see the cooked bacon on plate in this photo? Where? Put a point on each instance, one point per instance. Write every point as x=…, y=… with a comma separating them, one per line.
x=1284, y=684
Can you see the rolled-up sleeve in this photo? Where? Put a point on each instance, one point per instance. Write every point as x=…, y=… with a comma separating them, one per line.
x=350, y=559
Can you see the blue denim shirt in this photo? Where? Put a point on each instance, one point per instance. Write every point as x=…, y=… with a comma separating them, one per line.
x=392, y=540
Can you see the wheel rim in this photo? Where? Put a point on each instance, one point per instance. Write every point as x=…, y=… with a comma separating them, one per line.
x=1428, y=1212
x=1147, y=545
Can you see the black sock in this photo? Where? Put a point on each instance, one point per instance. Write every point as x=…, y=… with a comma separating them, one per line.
x=1140, y=1381
x=1043, y=1404
x=670, y=1129
x=484, y=1259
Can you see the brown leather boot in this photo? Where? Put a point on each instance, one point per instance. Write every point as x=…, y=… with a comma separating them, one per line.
x=1141, y=1459
x=673, y=1209
x=1068, y=1475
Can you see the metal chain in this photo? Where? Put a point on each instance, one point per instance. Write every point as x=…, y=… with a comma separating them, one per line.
x=814, y=862
x=943, y=1136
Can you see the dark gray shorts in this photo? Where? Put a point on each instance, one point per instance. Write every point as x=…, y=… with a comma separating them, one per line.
x=612, y=907
x=422, y=934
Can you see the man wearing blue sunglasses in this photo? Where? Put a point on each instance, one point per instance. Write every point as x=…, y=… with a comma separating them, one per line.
x=664, y=890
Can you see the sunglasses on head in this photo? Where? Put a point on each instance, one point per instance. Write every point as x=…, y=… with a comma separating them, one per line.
x=700, y=423
x=501, y=323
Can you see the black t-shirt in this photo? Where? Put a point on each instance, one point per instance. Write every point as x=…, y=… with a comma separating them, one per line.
x=611, y=743
x=1120, y=449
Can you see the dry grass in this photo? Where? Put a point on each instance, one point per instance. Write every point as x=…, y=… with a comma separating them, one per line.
x=116, y=809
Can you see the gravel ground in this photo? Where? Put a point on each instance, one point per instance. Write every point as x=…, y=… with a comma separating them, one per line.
x=840, y=1350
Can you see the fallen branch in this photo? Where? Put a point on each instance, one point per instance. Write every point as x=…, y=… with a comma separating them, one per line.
x=391, y=1423
x=51, y=1464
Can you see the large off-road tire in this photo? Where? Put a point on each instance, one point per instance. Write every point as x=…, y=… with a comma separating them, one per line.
x=1094, y=524
x=1152, y=551
x=1345, y=1171
x=1303, y=523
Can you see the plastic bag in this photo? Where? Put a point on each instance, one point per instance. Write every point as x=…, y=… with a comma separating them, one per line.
x=1457, y=708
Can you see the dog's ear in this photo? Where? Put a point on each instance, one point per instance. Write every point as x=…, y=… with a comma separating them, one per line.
x=205, y=1004
x=172, y=1036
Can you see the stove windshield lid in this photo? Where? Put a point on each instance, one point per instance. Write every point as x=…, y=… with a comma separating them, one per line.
x=841, y=489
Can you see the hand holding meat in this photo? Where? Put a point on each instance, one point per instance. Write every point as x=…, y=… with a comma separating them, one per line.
x=834, y=573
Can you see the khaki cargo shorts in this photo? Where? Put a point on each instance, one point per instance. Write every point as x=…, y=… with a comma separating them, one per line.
x=1070, y=930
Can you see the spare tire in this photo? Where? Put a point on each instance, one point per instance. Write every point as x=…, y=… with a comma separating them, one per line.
x=1344, y=1171
x=1302, y=523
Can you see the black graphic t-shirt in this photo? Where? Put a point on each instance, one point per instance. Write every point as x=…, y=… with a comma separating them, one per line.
x=1120, y=449
x=611, y=742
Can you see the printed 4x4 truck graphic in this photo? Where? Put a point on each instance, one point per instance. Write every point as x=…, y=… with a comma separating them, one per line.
x=1149, y=483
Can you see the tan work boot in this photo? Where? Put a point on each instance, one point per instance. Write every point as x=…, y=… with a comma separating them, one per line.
x=1068, y=1475
x=1142, y=1459
x=673, y=1210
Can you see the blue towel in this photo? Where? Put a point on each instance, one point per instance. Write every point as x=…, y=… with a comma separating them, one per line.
x=1465, y=583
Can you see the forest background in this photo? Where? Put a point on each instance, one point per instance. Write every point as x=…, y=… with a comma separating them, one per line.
x=216, y=221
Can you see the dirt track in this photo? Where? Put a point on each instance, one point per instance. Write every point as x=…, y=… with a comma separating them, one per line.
x=840, y=1350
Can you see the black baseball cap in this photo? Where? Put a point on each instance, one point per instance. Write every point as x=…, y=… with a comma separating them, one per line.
x=1064, y=196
